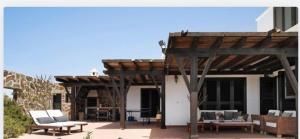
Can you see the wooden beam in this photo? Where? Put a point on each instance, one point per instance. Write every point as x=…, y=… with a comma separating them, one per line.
x=195, y=42
x=238, y=44
x=260, y=64
x=205, y=52
x=289, y=73
x=183, y=72
x=204, y=73
x=246, y=61
x=133, y=72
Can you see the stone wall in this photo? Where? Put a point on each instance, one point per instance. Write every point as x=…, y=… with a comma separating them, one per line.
x=25, y=91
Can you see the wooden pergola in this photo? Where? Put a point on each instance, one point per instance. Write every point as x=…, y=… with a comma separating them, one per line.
x=77, y=83
x=202, y=53
x=136, y=72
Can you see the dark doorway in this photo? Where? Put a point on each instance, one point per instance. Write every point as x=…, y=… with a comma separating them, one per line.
x=57, y=101
x=149, y=100
x=268, y=98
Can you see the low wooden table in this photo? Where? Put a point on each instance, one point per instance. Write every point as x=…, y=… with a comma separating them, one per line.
x=200, y=126
x=233, y=124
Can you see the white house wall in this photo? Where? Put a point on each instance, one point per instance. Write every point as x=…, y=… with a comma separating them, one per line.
x=178, y=105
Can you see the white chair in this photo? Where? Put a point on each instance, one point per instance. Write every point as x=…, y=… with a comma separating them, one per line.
x=58, y=113
x=56, y=126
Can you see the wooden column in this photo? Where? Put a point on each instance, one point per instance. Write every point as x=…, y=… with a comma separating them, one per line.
x=73, y=104
x=114, y=105
x=193, y=97
x=296, y=95
x=289, y=73
x=163, y=103
x=122, y=110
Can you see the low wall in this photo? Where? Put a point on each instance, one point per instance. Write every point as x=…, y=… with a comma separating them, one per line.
x=24, y=91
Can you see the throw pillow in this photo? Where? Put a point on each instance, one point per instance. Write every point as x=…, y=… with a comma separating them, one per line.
x=61, y=119
x=245, y=117
x=203, y=115
x=287, y=114
x=228, y=115
x=211, y=116
x=271, y=113
x=236, y=115
x=45, y=120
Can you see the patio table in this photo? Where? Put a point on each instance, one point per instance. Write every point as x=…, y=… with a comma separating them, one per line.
x=143, y=110
x=233, y=124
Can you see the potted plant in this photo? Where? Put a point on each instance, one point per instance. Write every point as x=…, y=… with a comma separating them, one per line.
x=81, y=115
x=158, y=115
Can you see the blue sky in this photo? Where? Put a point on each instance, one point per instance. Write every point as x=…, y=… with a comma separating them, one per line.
x=72, y=41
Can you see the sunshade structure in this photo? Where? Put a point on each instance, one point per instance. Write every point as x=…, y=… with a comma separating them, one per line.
x=202, y=53
x=137, y=72
x=80, y=85
x=196, y=53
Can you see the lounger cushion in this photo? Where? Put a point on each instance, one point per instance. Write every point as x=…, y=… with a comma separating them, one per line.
x=45, y=120
x=61, y=119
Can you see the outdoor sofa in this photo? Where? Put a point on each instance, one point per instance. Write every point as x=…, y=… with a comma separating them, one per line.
x=286, y=124
x=209, y=116
x=58, y=116
x=259, y=120
x=41, y=120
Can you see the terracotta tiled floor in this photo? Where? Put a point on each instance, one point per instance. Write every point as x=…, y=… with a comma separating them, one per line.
x=108, y=130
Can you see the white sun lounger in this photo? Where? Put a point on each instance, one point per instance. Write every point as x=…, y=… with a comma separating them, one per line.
x=57, y=126
x=58, y=113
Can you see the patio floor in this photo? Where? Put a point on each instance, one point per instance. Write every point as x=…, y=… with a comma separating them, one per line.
x=109, y=130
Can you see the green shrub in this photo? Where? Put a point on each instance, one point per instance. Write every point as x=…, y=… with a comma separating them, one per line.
x=15, y=120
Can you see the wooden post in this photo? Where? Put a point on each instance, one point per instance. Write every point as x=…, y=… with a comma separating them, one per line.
x=72, y=97
x=123, y=110
x=163, y=102
x=296, y=95
x=193, y=97
x=289, y=73
x=114, y=105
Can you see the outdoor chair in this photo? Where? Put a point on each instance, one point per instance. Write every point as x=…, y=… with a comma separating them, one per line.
x=259, y=122
x=286, y=124
x=41, y=120
x=58, y=116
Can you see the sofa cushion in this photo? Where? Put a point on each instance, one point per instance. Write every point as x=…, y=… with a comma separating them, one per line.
x=45, y=120
x=256, y=122
x=236, y=115
x=271, y=113
x=269, y=124
x=287, y=114
x=61, y=119
x=228, y=115
x=208, y=115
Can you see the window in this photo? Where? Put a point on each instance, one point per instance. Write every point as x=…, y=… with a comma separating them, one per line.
x=285, y=17
x=224, y=94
